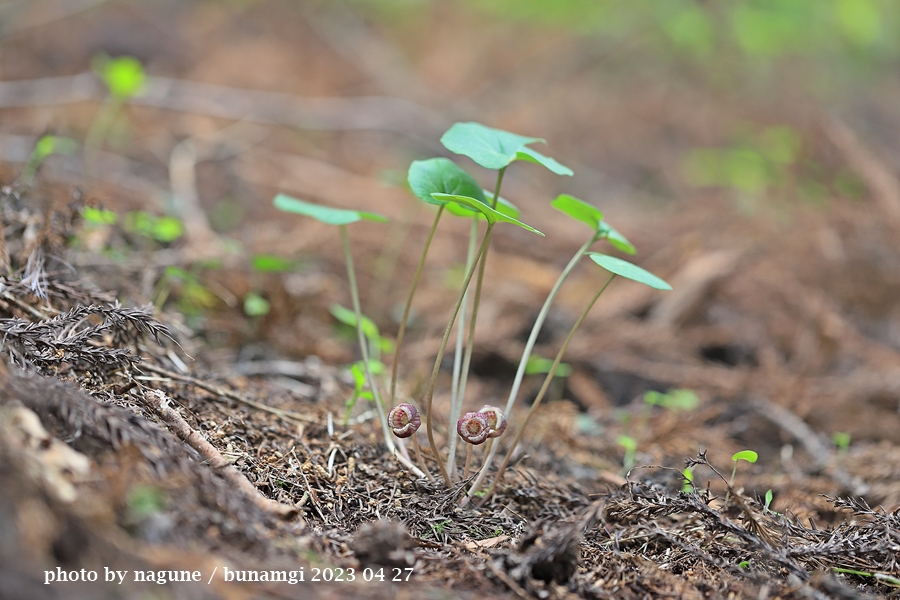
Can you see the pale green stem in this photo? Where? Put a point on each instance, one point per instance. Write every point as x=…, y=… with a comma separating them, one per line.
x=429, y=395
x=456, y=397
x=545, y=386
x=402, y=331
x=461, y=376
x=526, y=354
x=364, y=350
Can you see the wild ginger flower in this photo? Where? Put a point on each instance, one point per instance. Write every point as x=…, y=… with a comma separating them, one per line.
x=404, y=420
x=474, y=428
x=496, y=420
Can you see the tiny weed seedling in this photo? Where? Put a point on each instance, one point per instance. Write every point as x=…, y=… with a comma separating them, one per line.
x=341, y=218
x=45, y=147
x=124, y=77
x=842, y=441
x=441, y=183
x=748, y=455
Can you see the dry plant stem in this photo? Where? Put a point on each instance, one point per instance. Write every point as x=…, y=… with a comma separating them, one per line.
x=544, y=387
x=402, y=331
x=419, y=458
x=429, y=395
x=526, y=354
x=457, y=391
x=162, y=405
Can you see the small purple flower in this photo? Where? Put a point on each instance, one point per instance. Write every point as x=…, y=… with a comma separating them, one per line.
x=473, y=427
x=404, y=420
x=496, y=420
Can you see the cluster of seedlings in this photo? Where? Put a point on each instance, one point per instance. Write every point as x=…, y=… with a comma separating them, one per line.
x=443, y=184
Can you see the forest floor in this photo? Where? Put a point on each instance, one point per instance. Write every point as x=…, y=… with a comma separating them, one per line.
x=149, y=425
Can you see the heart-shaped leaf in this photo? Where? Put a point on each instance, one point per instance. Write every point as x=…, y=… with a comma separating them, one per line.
x=494, y=148
x=503, y=205
x=536, y=157
x=579, y=210
x=492, y=215
x=625, y=269
x=618, y=241
x=441, y=176
x=324, y=214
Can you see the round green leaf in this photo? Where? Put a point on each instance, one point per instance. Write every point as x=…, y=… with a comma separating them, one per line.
x=625, y=269
x=491, y=148
x=536, y=157
x=124, y=76
x=324, y=214
x=579, y=210
x=749, y=455
x=492, y=215
x=441, y=176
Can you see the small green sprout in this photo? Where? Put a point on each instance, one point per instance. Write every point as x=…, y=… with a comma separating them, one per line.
x=342, y=218
x=163, y=229
x=744, y=564
x=616, y=267
x=748, y=455
x=268, y=263
x=629, y=444
x=674, y=400
x=255, y=305
x=841, y=440
x=688, y=485
x=98, y=217
x=45, y=147
x=537, y=365
x=124, y=77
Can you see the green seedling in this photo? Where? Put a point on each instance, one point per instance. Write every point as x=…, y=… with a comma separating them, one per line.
x=674, y=400
x=143, y=501
x=841, y=440
x=124, y=77
x=537, y=365
x=193, y=299
x=377, y=345
x=164, y=230
x=688, y=485
x=268, y=263
x=99, y=217
x=748, y=455
x=584, y=213
x=616, y=267
x=341, y=218
x=255, y=305
x=768, y=499
x=629, y=444
x=45, y=147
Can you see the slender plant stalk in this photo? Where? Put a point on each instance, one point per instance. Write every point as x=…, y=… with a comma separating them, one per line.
x=526, y=354
x=419, y=458
x=468, y=462
x=364, y=350
x=545, y=386
x=429, y=395
x=456, y=396
x=402, y=331
x=461, y=375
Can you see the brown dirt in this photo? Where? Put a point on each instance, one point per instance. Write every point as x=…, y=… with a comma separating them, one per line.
x=189, y=436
